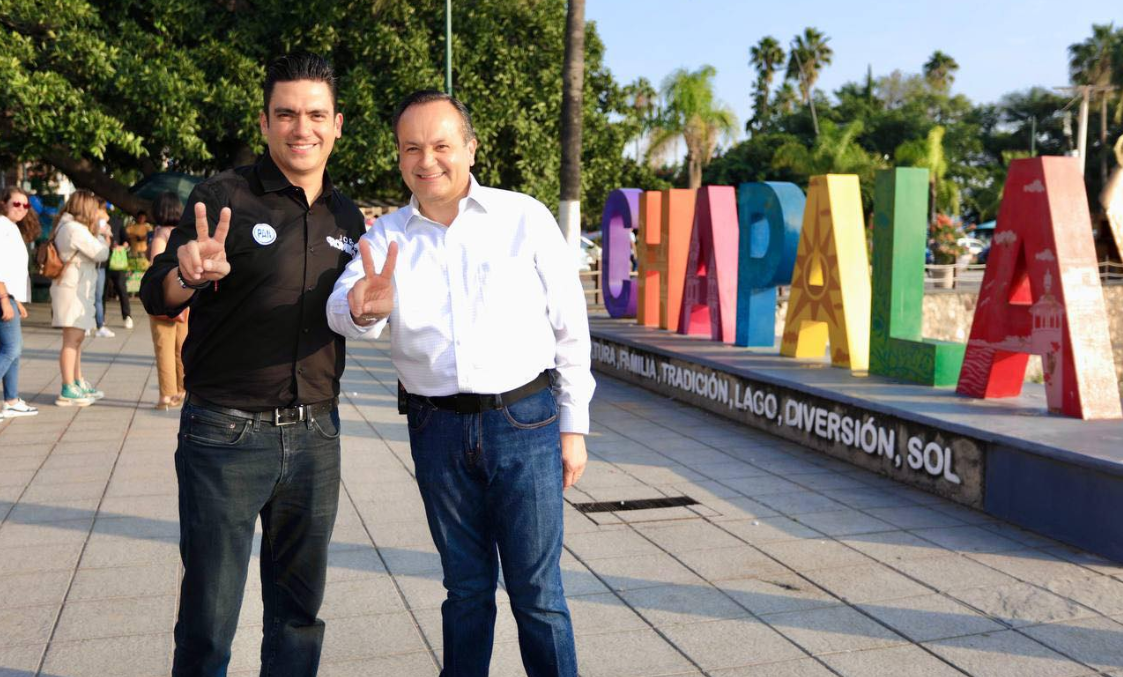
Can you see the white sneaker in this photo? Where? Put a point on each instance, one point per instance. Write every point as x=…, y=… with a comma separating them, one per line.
x=128, y=323
x=104, y=333
x=18, y=408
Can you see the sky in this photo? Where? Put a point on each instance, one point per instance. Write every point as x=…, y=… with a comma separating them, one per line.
x=1001, y=45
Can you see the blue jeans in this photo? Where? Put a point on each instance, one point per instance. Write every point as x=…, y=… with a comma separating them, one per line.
x=11, y=345
x=99, y=298
x=492, y=488
x=230, y=471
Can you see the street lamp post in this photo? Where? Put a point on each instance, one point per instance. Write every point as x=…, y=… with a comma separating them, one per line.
x=448, y=47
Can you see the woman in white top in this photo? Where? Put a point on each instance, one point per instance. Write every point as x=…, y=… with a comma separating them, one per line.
x=19, y=226
x=81, y=247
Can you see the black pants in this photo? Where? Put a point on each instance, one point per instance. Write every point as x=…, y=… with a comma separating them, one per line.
x=116, y=279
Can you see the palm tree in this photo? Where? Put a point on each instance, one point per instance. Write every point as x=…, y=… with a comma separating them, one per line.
x=765, y=57
x=573, y=85
x=835, y=151
x=809, y=53
x=643, y=102
x=940, y=70
x=785, y=98
x=691, y=112
x=943, y=196
x=1094, y=63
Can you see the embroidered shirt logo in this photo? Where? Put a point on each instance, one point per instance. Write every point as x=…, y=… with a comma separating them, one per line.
x=263, y=234
x=343, y=244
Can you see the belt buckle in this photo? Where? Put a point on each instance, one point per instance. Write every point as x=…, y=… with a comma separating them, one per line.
x=277, y=421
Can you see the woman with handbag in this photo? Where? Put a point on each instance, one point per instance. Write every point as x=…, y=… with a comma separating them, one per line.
x=168, y=333
x=81, y=247
x=19, y=226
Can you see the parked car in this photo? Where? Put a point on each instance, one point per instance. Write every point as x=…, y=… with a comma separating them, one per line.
x=590, y=253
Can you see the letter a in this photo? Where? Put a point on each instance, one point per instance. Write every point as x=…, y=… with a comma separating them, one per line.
x=1041, y=294
x=900, y=229
x=620, y=216
x=831, y=282
x=770, y=215
x=709, y=294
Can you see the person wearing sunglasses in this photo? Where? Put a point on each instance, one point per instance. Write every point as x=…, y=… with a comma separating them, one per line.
x=19, y=226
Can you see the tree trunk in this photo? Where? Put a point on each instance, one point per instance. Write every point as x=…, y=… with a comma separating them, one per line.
x=694, y=163
x=1104, y=150
x=573, y=84
x=86, y=175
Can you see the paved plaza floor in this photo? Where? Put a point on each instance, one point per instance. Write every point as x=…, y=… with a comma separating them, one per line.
x=791, y=564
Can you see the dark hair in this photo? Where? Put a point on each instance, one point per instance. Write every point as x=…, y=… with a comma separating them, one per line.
x=298, y=66
x=140, y=213
x=29, y=227
x=423, y=96
x=166, y=209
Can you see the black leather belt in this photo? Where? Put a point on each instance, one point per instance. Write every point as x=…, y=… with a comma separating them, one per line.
x=280, y=416
x=474, y=403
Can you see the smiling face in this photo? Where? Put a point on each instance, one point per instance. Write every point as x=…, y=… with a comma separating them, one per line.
x=301, y=127
x=16, y=207
x=433, y=156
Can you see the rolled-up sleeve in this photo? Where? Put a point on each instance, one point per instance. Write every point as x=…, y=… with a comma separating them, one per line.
x=338, y=309
x=565, y=308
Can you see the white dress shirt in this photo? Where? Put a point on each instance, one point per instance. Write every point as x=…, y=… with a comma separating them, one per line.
x=482, y=306
x=13, y=260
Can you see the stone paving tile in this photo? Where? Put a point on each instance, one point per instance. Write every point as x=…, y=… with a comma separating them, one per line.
x=930, y=617
x=606, y=543
x=361, y=637
x=776, y=594
x=362, y=597
x=833, y=629
x=866, y=583
x=845, y=522
x=808, y=555
x=1031, y=565
x=595, y=614
x=16, y=535
x=899, y=661
x=39, y=558
x=33, y=589
x=914, y=517
x=769, y=529
x=148, y=655
x=729, y=563
x=403, y=665
x=637, y=653
x=1005, y=654
x=642, y=571
x=737, y=508
x=98, y=619
x=893, y=547
x=20, y=661
x=1019, y=604
x=731, y=643
x=674, y=604
x=806, y=667
x=27, y=625
x=952, y=572
x=1097, y=642
x=1098, y=592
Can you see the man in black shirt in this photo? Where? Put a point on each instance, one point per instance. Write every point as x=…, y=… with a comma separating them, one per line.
x=259, y=433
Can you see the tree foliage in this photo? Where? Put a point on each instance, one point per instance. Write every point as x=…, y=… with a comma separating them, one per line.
x=691, y=111
x=110, y=91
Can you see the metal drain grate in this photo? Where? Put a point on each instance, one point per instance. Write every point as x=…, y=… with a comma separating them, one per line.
x=636, y=504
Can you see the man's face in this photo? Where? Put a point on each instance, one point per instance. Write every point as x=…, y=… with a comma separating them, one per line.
x=301, y=127
x=434, y=159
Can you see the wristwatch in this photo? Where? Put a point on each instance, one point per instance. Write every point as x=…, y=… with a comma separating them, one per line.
x=186, y=285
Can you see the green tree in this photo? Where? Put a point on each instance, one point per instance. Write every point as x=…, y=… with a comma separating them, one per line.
x=766, y=56
x=692, y=113
x=1096, y=62
x=940, y=71
x=835, y=151
x=108, y=92
x=943, y=195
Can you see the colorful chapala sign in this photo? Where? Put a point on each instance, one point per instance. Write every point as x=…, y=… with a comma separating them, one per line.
x=709, y=262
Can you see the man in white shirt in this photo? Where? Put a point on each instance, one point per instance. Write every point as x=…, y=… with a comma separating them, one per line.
x=490, y=339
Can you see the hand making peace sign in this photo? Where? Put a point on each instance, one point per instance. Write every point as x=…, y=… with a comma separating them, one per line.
x=204, y=258
x=372, y=297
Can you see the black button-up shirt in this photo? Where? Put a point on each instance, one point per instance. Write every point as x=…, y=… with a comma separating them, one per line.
x=259, y=339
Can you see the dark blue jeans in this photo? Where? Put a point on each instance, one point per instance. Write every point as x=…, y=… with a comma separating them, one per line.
x=11, y=344
x=492, y=487
x=230, y=471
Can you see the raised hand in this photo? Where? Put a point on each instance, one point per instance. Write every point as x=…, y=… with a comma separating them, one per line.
x=372, y=297
x=204, y=258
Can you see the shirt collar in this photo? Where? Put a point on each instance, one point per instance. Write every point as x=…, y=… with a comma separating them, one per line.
x=273, y=180
x=477, y=195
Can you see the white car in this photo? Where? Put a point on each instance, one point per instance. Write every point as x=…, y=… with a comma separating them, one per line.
x=974, y=245
x=590, y=253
